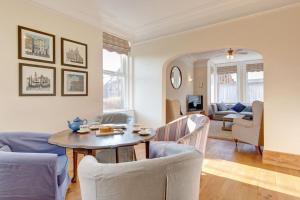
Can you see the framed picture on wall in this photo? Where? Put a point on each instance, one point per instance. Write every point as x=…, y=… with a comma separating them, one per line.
x=74, y=83
x=73, y=54
x=35, y=45
x=36, y=80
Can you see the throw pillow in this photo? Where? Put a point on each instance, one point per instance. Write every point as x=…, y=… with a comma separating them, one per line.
x=238, y=107
x=222, y=107
x=247, y=109
x=5, y=148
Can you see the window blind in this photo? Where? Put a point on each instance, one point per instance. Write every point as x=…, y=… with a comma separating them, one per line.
x=115, y=44
x=227, y=70
x=257, y=67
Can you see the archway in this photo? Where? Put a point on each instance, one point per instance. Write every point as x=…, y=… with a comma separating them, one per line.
x=198, y=70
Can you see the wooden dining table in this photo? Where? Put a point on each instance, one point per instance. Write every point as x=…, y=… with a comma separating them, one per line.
x=88, y=143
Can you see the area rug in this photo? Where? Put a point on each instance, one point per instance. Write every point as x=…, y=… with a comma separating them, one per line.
x=216, y=132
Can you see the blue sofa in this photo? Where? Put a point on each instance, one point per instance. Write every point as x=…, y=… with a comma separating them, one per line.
x=31, y=168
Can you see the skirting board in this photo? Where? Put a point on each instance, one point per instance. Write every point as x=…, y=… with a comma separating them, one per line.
x=282, y=159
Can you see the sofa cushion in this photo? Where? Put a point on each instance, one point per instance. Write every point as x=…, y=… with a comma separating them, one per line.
x=222, y=107
x=248, y=109
x=61, y=168
x=238, y=107
x=225, y=112
x=5, y=148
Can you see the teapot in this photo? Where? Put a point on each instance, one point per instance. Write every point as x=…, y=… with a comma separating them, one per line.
x=75, y=125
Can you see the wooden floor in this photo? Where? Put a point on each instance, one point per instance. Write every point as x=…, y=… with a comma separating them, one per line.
x=234, y=174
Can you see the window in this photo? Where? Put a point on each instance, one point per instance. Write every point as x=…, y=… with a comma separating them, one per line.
x=115, y=81
x=227, y=87
x=255, y=82
x=241, y=81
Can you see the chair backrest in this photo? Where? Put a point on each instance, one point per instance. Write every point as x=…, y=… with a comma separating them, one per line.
x=173, y=110
x=189, y=129
x=115, y=118
x=174, y=177
x=258, y=122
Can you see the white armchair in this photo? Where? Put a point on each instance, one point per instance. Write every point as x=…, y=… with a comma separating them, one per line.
x=250, y=131
x=173, y=175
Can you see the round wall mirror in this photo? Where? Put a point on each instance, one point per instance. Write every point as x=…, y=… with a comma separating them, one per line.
x=176, y=77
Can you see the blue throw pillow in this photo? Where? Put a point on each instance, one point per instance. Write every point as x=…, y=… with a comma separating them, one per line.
x=238, y=107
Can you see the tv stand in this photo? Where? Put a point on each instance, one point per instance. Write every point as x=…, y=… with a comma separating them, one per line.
x=202, y=112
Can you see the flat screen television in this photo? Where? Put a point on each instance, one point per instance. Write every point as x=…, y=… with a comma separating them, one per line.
x=194, y=103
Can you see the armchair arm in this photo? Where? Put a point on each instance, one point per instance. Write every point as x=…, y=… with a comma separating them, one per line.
x=214, y=108
x=30, y=142
x=28, y=175
x=197, y=138
x=243, y=122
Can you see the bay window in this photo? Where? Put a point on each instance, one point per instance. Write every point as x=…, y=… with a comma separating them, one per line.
x=236, y=82
x=255, y=82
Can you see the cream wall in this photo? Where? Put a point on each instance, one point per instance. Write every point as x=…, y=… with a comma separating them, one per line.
x=200, y=81
x=276, y=35
x=186, y=88
x=44, y=113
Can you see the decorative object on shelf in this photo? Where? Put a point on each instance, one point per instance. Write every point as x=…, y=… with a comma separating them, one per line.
x=36, y=80
x=77, y=122
x=176, y=77
x=230, y=54
x=35, y=45
x=73, y=54
x=74, y=83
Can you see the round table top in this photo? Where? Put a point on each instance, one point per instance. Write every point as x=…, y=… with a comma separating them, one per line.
x=89, y=140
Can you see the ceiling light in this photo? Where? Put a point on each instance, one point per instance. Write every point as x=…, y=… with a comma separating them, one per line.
x=230, y=55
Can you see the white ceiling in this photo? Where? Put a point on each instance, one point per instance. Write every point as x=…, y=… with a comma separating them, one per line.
x=219, y=56
x=140, y=20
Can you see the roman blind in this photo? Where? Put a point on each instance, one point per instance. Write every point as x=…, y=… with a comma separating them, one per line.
x=115, y=44
x=227, y=70
x=257, y=67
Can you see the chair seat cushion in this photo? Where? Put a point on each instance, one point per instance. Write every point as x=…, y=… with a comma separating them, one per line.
x=61, y=168
x=5, y=148
x=162, y=148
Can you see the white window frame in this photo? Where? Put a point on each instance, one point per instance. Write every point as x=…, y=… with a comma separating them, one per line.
x=241, y=79
x=127, y=71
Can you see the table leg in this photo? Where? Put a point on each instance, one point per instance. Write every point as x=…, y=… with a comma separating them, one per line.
x=117, y=154
x=75, y=157
x=147, y=149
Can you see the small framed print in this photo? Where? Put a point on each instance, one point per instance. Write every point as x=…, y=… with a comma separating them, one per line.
x=74, y=83
x=36, y=45
x=73, y=54
x=36, y=80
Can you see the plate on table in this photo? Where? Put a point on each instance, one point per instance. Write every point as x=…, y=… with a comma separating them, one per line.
x=145, y=132
x=94, y=127
x=83, y=131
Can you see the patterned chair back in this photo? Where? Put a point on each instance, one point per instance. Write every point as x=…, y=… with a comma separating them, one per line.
x=190, y=129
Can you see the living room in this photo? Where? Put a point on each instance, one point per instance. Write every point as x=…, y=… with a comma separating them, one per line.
x=221, y=84
x=85, y=90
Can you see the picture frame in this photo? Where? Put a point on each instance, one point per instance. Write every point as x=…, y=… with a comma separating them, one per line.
x=36, y=80
x=36, y=45
x=74, y=83
x=73, y=53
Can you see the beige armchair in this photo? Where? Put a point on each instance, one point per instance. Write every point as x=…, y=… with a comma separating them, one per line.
x=174, y=174
x=173, y=110
x=250, y=131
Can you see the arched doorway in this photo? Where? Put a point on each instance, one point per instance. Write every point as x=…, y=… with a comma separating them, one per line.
x=214, y=77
